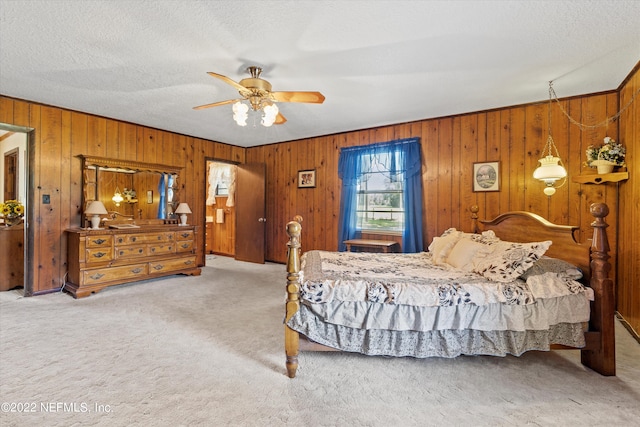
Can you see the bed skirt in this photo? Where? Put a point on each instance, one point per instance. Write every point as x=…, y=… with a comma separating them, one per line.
x=441, y=343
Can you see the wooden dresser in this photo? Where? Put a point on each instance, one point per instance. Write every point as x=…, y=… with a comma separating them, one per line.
x=101, y=258
x=11, y=256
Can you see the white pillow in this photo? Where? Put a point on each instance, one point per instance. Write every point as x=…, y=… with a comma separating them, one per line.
x=441, y=246
x=465, y=251
x=487, y=237
x=508, y=261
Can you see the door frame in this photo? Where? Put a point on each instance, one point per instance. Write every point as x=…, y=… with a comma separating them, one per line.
x=15, y=155
x=29, y=236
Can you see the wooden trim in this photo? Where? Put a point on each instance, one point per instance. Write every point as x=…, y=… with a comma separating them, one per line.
x=131, y=165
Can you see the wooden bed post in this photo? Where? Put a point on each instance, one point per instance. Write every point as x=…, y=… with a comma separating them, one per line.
x=291, y=337
x=602, y=359
x=474, y=219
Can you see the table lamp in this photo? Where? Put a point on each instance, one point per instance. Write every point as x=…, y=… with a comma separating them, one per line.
x=95, y=209
x=183, y=210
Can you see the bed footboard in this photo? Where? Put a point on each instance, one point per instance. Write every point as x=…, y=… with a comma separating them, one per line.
x=291, y=337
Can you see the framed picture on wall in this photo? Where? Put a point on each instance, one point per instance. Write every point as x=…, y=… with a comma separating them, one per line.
x=307, y=178
x=486, y=176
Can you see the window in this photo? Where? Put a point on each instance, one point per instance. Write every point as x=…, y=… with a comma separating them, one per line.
x=382, y=191
x=380, y=198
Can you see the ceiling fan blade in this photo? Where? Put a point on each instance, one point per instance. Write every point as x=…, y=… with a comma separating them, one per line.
x=280, y=119
x=310, y=97
x=226, y=79
x=216, y=104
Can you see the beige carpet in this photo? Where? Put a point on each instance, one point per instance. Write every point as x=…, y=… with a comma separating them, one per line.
x=208, y=350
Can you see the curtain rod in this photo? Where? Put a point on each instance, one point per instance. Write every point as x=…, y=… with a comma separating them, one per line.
x=382, y=144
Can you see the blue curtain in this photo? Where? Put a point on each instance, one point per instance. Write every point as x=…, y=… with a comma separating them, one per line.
x=162, y=213
x=403, y=155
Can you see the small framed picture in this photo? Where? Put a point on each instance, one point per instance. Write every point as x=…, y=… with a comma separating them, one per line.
x=486, y=176
x=307, y=178
x=149, y=196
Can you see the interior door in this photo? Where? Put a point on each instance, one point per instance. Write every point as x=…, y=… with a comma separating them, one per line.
x=250, y=212
x=11, y=175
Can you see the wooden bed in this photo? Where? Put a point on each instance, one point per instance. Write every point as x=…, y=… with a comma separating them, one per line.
x=598, y=352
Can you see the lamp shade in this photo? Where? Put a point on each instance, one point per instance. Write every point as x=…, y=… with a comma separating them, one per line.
x=549, y=170
x=183, y=208
x=96, y=208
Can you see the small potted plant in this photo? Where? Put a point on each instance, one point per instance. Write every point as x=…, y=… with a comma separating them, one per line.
x=12, y=211
x=607, y=156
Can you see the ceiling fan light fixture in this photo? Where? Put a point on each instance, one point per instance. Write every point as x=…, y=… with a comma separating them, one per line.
x=256, y=94
x=270, y=114
x=240, y=113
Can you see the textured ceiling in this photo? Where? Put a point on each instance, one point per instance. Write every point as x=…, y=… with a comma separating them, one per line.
x=376, y=62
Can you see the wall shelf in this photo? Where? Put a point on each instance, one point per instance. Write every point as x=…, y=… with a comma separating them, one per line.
x=595, y=178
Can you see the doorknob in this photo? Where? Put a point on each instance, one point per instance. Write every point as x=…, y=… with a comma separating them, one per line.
x=262, y=219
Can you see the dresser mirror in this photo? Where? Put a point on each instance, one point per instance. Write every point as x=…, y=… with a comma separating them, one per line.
x=131, y=191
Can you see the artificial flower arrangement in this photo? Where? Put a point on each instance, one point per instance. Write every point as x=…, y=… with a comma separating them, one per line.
x=610, y=152
x=129, y=194
x=12, y=209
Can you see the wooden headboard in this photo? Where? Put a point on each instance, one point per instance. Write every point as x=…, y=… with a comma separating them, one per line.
x=523, y=227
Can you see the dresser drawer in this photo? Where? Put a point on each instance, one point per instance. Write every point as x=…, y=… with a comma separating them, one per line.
x=99, y=241
x=131, y=251
x=132, y=239
x=90, y=277
x=172, y=264
x=184, y=246
x=99, y=254
x=184, y=235
x=162, y=249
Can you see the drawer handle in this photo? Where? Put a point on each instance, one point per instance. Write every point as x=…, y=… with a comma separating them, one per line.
x=188, y=262
x=121, y=252
x=158, y=267
x=140, y=250
x=99, y=241
x=133, y=239
x=185, y=245
x=99, y=254
x=186, y=234
x=120, y=240
x=97, y=276
x=137, y=270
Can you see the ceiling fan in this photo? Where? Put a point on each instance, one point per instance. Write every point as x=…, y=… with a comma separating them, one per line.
x=258, y=92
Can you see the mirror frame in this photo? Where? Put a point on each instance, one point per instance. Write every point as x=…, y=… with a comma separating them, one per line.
x=91, y=166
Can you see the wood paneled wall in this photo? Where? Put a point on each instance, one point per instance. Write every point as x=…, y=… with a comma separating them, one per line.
x=514, y=136
x=223, y=235
x=61, y=135
x=629, y=211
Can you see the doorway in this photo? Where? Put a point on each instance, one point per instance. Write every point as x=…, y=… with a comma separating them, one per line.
x=220, y=215
x=235, y=210
x=16, y=147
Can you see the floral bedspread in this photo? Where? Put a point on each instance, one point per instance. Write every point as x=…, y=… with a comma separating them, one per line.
x=412, y=279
